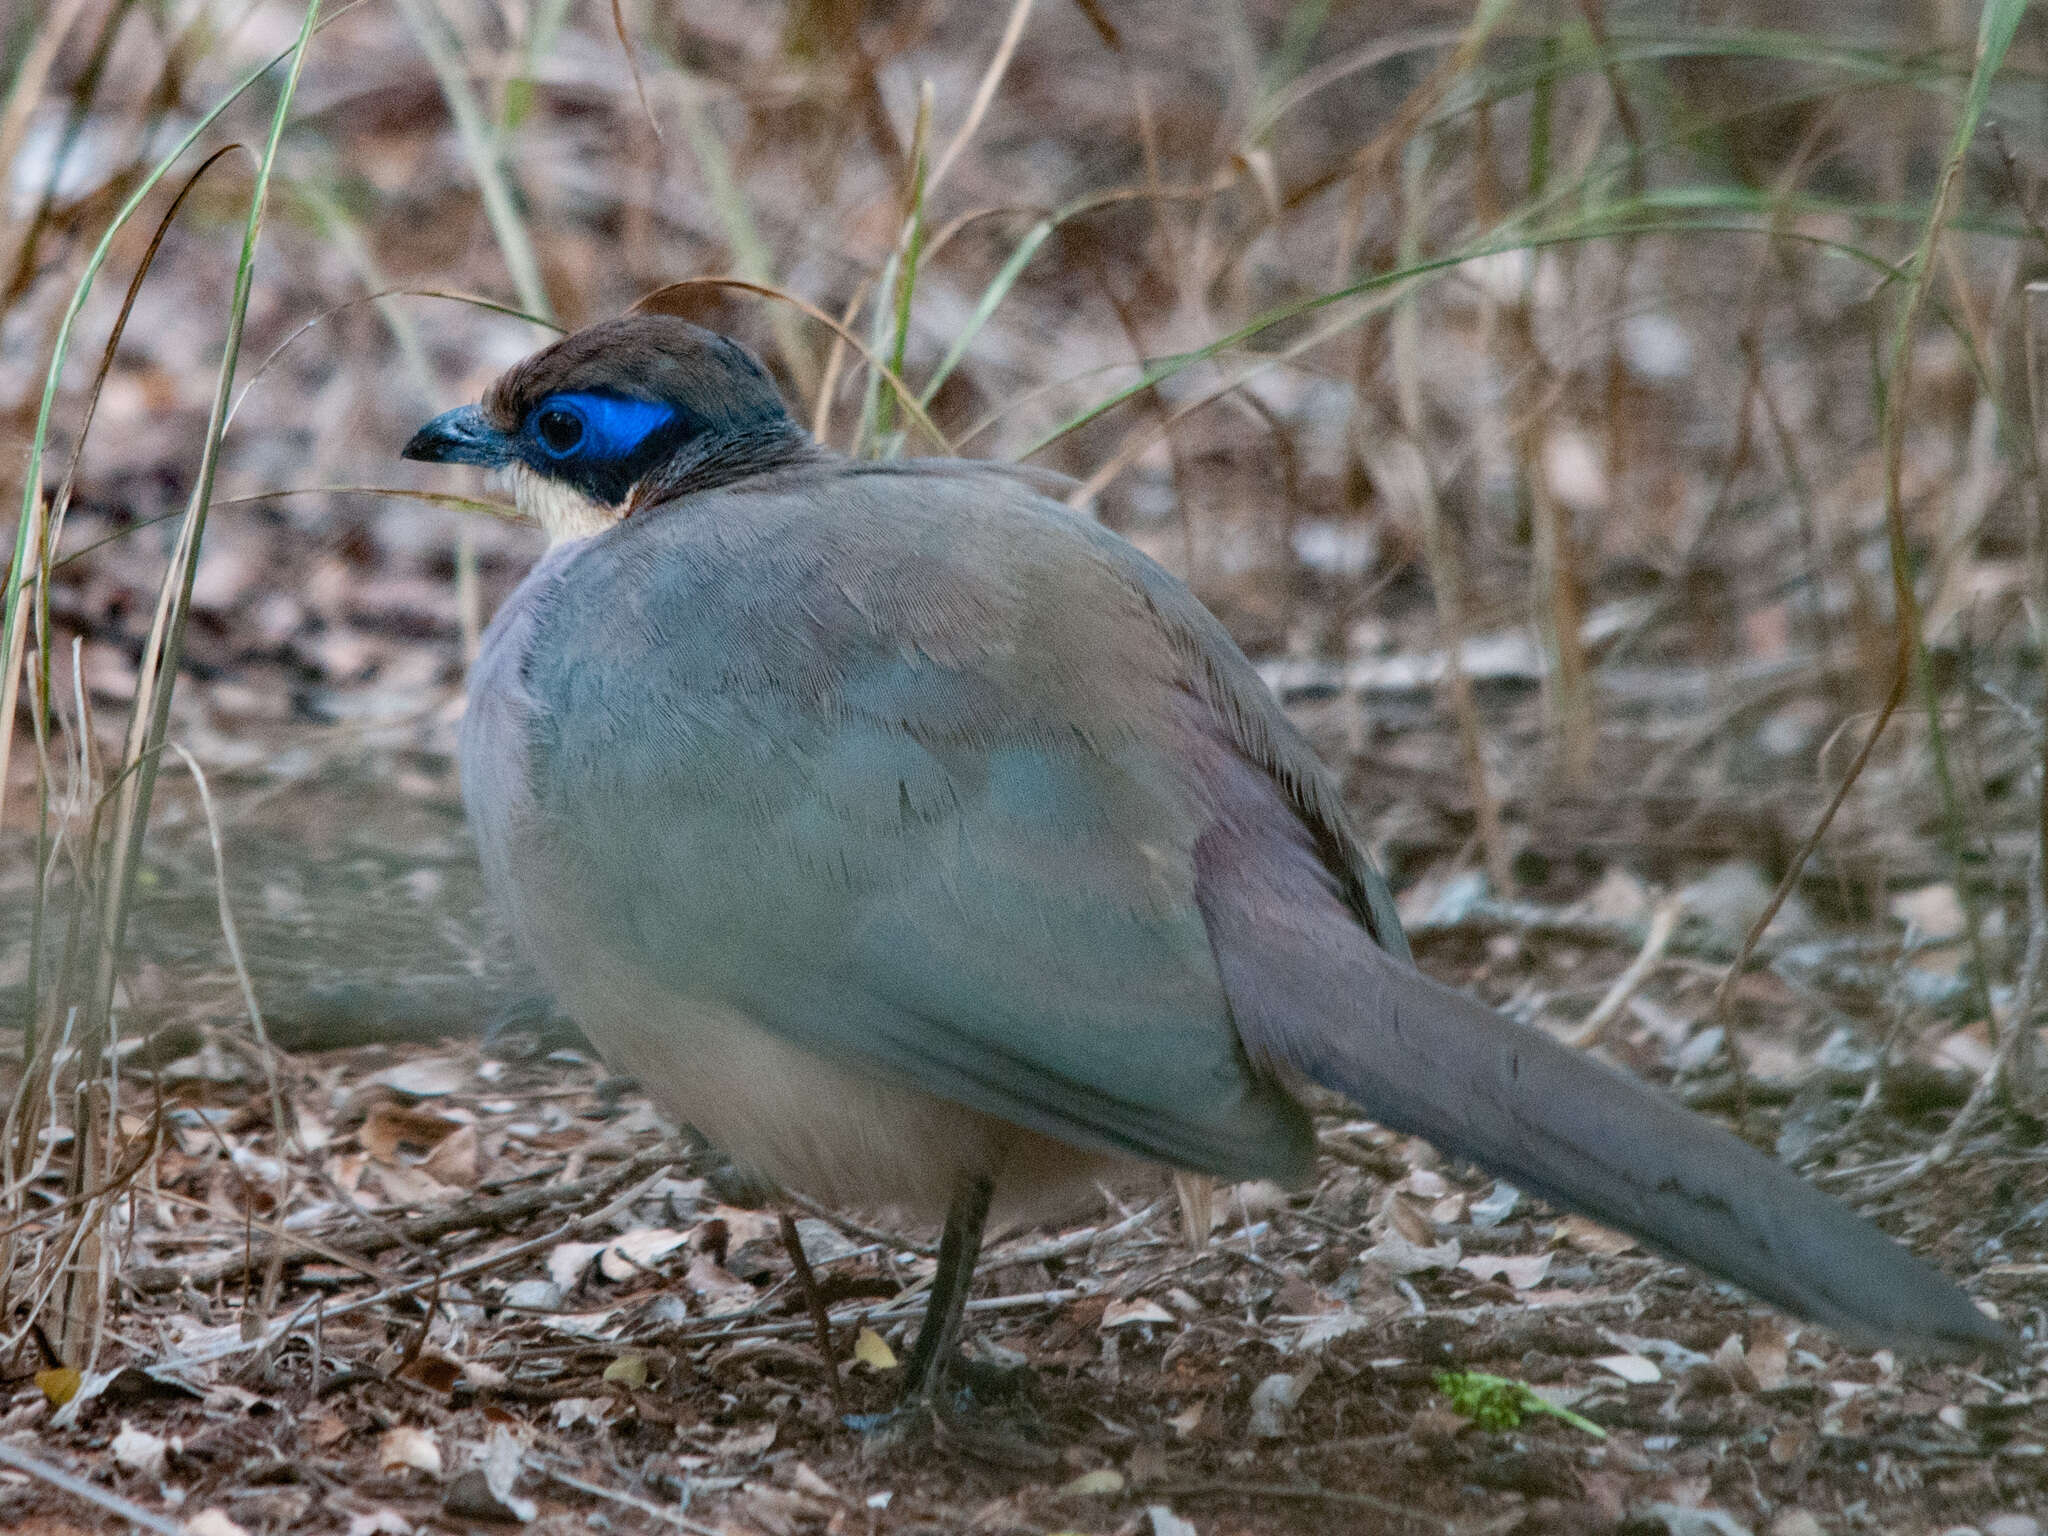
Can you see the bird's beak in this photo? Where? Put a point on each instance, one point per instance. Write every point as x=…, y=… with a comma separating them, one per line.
x=461, y=436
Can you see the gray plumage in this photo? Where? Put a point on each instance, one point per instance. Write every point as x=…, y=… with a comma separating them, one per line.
x=902, y=829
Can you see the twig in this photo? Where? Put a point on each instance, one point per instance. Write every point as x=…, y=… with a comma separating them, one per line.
x=460, y=1217
x=894, y=1242
x=1663, y=924
x=900, y=1307
x=1069, y=1242
x=484, y=1265
x=814, y=1303
x=91, y=1493
x=1225, y=1490
x=648, y=1507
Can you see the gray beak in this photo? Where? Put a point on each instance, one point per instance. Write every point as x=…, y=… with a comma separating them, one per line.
x=461, y=436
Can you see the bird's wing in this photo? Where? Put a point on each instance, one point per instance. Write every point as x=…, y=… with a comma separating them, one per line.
x=907, y=791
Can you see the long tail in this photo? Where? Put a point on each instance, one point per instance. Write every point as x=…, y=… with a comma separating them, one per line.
x=1312, y=994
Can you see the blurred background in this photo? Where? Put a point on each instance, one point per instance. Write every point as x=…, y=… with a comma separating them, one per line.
x=1596, y=419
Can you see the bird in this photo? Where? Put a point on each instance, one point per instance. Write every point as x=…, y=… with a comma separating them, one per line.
x=926, y=846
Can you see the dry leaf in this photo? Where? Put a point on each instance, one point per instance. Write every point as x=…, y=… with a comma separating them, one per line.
x=1273, y=1402
x=1399, y=1256
x=59, y=1383
x=1138, y=1309
x=1638, y=1369
x=1591, y=1237
x=635, y=1252
x=1766, y=1356
x=754, y=1441
x=805, y=1479
x=457, y=1159
x=137, y=1450
x=568, y=1261
x=211, y=1522
x=413, y=1186
x=405, y=1446
x=390, y=1132
x=433, y=1370
x=719, y=1292
x=1100, y=1483
x=873, y=1351
x=428, y=1077
x=1520, y=1271
x=1408, y=1220
x=629, y=1371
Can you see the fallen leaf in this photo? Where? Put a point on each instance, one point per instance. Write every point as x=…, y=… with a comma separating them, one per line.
x=717, y=1290
x=1426, y=1184
x=59, y=1383
x=1397, y=1255
x=1591, y=1237
x=634, y=1252
x=433, y=1370
x=873, y=1351
x=1932, y=914
x=568, y=1261
x=408, y=1186
x=1766, y=1355
x=404, y=1446
x=755, y=1441
x=391, y=1131
x=629, y=1371
x=1273, y=1402
x=1638, y=1369
x=1100, y=1483
x=428, y=1077
x=1520, y=1271
x=804, y=1477
x=211, y=1522
x=457, y=1159
x=137, y=1450
x=1138, y=1309
x=1332, y=1326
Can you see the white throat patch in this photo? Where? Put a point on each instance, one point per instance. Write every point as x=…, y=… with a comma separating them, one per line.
x=561, y=511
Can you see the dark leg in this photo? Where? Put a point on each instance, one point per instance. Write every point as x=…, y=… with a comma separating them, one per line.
x=821, y=1321
x=959, y=1248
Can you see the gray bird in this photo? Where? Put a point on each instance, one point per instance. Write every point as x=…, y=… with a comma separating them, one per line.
x=924, y=845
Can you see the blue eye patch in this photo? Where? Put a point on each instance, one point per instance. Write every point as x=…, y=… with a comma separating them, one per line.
x=595, y=428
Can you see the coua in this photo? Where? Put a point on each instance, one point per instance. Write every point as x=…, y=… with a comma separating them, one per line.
x=924, y=845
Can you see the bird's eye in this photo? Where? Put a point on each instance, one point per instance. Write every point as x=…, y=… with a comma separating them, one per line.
x=559, y=430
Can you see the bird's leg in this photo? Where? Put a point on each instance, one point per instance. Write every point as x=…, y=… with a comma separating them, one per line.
x=932, y=1356
x=814, y=1303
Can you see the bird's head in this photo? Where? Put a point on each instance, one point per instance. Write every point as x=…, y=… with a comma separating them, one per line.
x=619, y=416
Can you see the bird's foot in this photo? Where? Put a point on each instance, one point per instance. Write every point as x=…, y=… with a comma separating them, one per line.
x=982, y=1403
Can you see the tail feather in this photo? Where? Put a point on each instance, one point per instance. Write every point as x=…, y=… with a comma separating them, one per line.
x=1312, y=994
x=1564, y=1126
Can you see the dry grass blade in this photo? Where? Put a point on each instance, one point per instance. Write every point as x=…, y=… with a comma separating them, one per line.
x=654, y=303
x=2000, y=21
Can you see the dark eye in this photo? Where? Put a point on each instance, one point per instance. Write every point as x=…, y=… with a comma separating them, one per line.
x=559, y=429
